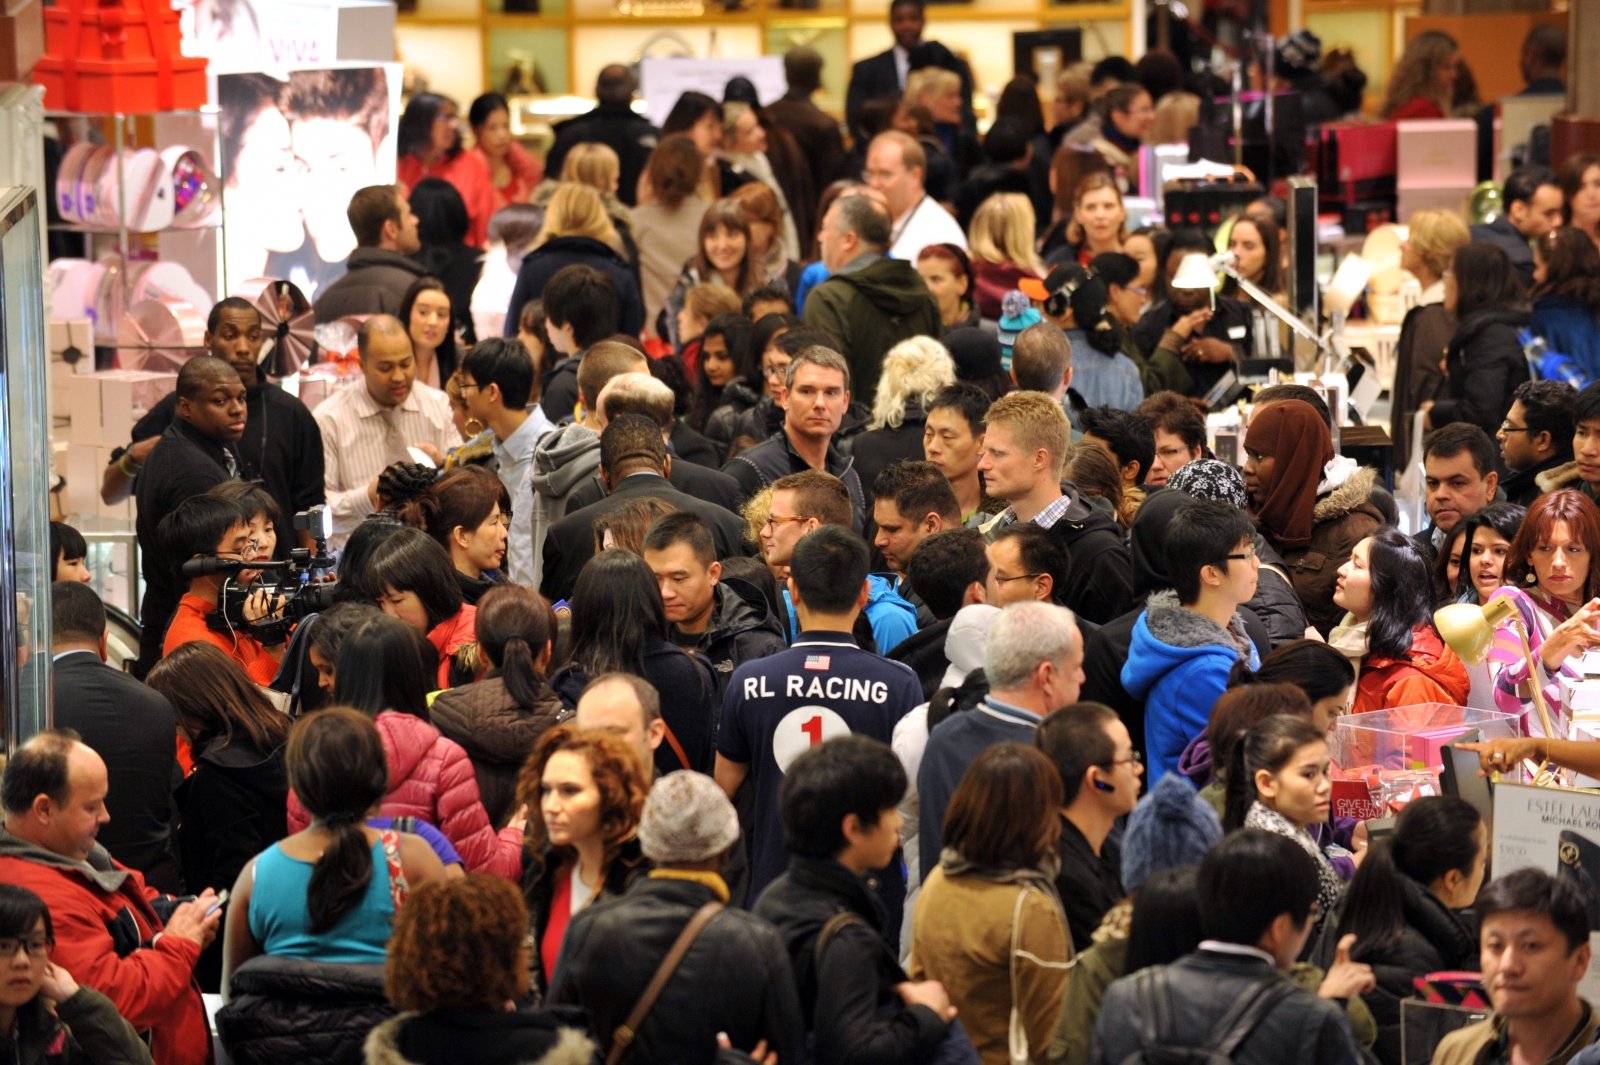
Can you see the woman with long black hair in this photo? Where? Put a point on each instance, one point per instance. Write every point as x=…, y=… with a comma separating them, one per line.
x=428, y=144
x=749, y=390
x=620, y=626
x=1484, y=362
x=467, y=512
x=442, y=227
x=427, y=312
x=723, y=361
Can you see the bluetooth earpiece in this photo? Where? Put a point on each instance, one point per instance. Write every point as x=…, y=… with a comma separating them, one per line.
x=1103, y=786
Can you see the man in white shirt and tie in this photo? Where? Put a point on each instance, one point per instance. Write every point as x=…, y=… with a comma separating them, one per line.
x=896, y=167
x=370, y=425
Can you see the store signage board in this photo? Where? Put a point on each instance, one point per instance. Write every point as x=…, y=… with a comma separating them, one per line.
x=277, y=36
x=662, y=81
x=1557, y=830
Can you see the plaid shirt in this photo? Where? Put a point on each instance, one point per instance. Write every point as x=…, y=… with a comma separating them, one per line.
x=1044, y=519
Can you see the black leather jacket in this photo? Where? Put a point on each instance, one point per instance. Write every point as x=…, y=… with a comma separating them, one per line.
x=287, y=1009
x=735, y=978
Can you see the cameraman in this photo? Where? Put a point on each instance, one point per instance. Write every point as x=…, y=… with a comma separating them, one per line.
x=212, y=526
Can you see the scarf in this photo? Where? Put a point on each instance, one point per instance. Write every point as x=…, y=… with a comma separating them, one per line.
x=1330, y=889
x=1109, y=130
x=1293, y=433
x=1041, y=876
x=710, y=880
x=1349, y=638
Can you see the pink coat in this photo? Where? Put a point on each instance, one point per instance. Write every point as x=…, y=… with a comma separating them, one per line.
x=431, y=778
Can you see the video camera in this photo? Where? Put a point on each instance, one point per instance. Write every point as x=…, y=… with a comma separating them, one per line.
x=293, y=596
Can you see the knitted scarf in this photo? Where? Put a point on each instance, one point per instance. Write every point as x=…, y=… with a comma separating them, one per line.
x=1330, y=889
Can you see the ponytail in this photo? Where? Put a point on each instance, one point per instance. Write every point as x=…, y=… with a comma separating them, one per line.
x=340, y=877
x=522, y=679
x=1241, y=674
x=338, y=769
x=513, y=625
x=1239, y=789
x=1269, y=745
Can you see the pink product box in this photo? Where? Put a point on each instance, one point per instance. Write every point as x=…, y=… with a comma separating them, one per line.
x=1436, y=153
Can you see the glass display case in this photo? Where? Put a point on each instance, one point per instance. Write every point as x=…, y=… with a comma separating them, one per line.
x=24, y=469
x=1408, y=737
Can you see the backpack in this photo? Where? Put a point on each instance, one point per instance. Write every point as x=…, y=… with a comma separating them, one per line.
x=1155, y=1010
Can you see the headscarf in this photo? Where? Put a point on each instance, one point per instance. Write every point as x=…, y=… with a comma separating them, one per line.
x=1211, y=479
x=1292, y=432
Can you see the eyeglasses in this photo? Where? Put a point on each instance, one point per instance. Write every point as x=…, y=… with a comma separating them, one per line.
x=775, y=372
x=36, y=946
x=1249, y=553
x=464, y=385
x=1507, y=427
x=1134, y=758
x=1018, y=577
x=775, y=521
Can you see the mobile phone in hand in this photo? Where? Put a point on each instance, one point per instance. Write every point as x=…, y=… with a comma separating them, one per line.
x=222, y=897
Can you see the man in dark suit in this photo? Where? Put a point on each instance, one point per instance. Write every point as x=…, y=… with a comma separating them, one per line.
x=612, y=123
x=131, y=727
x=634, y=464
x=814, y=130
x=885, y=73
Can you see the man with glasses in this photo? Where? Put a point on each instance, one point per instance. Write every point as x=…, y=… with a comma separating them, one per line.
x=897, y=166
x=1458, y=466
x=1187, y=640
x=1536, y=438
x=1026, y=564
x=1100, y=771
x=1180, y=431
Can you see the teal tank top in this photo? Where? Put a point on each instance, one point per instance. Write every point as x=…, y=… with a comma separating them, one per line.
x=281, y=923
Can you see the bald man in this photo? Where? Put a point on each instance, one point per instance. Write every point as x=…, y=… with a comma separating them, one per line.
x=629, y=708
x=368, y=426
x=197, y=452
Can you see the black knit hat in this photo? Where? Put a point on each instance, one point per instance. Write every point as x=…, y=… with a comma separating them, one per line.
x=976, y=353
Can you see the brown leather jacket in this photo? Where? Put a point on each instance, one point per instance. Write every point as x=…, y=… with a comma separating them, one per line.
x=1343, y=517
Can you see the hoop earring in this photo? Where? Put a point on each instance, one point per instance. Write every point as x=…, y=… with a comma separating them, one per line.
x=470, y=422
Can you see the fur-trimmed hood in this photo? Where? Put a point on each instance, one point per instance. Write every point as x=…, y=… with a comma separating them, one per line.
x=571, y=1046
x=1346, y=497
x=1172, y=624
x=1559, y=477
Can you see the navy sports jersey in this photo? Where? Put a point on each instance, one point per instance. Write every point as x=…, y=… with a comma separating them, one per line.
x=780, y=706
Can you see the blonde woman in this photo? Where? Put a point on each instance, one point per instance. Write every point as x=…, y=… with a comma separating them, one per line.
x=913, y=371
x=577, y=231
x=744, y=144
x=1430, y=244
x=597, y=166
x=1001, y=243
x=938, y=92
x=1176, y=114
x=1422, y=84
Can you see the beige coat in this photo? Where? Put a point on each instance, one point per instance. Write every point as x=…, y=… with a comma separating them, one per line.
x=1472, y=1044
x=962, y=936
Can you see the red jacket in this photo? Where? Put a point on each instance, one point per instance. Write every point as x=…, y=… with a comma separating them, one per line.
x=468, y=172
x=189, y=624
x=99, y=906
x=432, y=779
x=1434, y=675
x=450, y=634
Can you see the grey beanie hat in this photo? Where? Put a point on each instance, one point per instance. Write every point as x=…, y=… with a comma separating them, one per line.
x=1172, y=826
x=687, y=818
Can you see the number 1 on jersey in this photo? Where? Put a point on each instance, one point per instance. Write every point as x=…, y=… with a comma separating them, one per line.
x=813, y=728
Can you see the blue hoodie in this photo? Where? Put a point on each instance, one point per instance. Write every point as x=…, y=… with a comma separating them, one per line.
x=891, y=617
x=1568, y=328
x=1178, y=663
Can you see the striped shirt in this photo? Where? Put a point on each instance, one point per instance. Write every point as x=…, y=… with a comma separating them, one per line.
x=356, y=443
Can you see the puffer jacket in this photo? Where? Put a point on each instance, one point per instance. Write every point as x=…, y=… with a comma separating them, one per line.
x=1433, y=675
x=497, y=734
x=289, y=1009
x=743, y=629
x=450, y=635
x=1301, y=1028
x=432, y=779
x=1484, y=364
x=737, y=397
x=1344, y=516
x=83, y=1030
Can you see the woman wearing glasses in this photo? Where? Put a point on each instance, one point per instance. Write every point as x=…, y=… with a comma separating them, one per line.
x=1386, y=589
x=83, y=1026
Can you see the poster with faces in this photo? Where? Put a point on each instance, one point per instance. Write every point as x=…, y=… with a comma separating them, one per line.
x=1557, y=830
x=295, y=147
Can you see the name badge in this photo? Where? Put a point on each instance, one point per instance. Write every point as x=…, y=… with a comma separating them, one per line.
x=1236, y=332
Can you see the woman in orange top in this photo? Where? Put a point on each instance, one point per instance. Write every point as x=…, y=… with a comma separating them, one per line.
x=412, y=579
x=430, y=146
x=1388, y=632
x=513, y=170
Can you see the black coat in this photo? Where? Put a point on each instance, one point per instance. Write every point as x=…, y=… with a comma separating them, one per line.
x=1231, y=316
x=690, y=702
x=923, y=651
x=286, y=1009
x=539, y=888
x=743, y=628
x=985, y=181
x=374, y=282
x=776, y=457
x=1301, y=1028
x=570, y=541
x=735, y=978
x=877, y=449
x=633, y=139
x=859, y=971
x=459, y=266
x=691, y=478
x=233, y=806
x=1100, y=584
x=558, y=393
x=1485, y=364
x=131, y=727
x=541, y=264
x=694, y=447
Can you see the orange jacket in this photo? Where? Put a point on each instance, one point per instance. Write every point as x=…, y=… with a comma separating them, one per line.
x=189, y=624
x=1434, y=675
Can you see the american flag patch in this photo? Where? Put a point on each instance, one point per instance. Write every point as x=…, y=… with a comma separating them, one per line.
x=817, y=662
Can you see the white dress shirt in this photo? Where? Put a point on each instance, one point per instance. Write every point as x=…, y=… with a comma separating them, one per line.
x=515, y=458
x=902, y=65
x=356, y=444
x=926, y=223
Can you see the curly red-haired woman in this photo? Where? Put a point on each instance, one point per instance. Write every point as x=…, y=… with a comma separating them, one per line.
x=585, y=792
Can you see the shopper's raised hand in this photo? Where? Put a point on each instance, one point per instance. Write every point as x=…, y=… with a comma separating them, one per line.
x=58, y=985
x=760, y=1053
x=1346, y=977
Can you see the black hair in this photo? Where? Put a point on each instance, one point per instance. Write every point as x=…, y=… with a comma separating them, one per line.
x=972, y=401
x=505, y=362
x=1166, y=919
x=1304, y=393
x=797, y=340
x=734, y=329
x=1112, y=67
x=1129, y=436
x=1547, y=407
x=1186, y=239
x=513, y=625
x=355, y=560
x=65, y=542
x=446, y=355
x=1310, y=665
x=410, y=560
x=769, y=293
x=1007, y=140
x=1448, y=441
x=196, y=526
x=484, y=107
x=755, y=573
x=1535, y=891
x=1432, y=836
x=918, y=488
x=616, y=608
x=1040, y=551
x=229, y=303
x=382, y=666
x=846, y=775
x=1202, y=533
x=759, y=338
x=200, y=371
x=682, y=527
x=1485, y=279
x=1268, y=745
x=1586, y=408
x=415, y=132
x=441, y=217
x=1402, y=593
x=20, y=911
x=1524, y=181
x=75, y=611
x=1074, y=738
x=828, y=568
x=1504, y=518
x=1115, y=268
x=584, y=298
x=689, y=108
x=943, y=566
x=338, y=768
x=331, y=626
x=253, y=499
x=1172, y=413
x=632, y=438
x=1249, y=880
x=39, y=767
